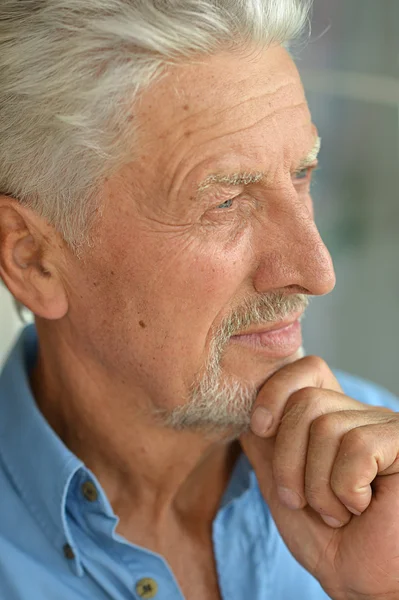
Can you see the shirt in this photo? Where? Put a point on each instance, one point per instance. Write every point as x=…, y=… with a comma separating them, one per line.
x=57, y=528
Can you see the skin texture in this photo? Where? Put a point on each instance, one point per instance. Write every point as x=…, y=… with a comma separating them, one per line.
x=338, y=458
x=125, y=329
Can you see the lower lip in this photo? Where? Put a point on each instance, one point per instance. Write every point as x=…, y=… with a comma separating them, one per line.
x=279, y=343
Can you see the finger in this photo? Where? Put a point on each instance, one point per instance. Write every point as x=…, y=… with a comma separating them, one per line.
x=364, y=453
x=303, y=530
x=292, y=440
x=310, y=371
x=326, y=435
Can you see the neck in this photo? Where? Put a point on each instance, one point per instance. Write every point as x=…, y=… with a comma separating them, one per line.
x=150, y=474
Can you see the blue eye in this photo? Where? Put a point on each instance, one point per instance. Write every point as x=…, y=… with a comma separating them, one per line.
x=303, y=174
x=226, y=204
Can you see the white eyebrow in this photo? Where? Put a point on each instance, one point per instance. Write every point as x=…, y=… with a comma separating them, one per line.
x=312, y=156
x=232, y=179
x=246, y=178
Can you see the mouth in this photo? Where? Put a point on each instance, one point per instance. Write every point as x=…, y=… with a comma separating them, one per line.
x=279, y=340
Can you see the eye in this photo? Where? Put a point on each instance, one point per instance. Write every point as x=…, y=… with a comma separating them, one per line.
x=227, y=204
x=302, y=174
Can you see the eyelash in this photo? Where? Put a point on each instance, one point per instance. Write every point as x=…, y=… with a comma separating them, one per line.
x=302, y=174
x=227, y=204
x=307, y=172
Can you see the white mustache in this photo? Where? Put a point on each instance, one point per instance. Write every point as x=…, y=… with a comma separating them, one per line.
x=262, y=310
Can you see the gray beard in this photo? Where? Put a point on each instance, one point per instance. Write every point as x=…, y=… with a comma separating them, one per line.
x=221, y=403
x=215, y=405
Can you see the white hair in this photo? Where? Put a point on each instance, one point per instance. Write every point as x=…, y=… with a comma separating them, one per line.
x=70, y=71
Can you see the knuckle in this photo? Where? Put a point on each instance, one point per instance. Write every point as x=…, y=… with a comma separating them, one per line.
x=316, y=363
x=305, y=402
x=356, y=441
x=347, y=492
x=339, y=485
x=326, y=425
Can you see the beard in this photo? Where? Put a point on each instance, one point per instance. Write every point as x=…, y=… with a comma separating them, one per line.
x=219, y=402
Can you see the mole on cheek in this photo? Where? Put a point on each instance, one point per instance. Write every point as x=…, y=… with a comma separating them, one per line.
x=142, y=324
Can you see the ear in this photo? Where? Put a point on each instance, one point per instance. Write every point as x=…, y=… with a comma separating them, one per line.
x=29, y=259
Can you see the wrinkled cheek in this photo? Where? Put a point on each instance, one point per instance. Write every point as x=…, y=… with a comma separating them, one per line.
x=175, y=290
x=205, y=266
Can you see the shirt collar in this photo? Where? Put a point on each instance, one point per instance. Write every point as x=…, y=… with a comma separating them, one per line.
x=37, y=461
x=44, y=471
x=242, y=481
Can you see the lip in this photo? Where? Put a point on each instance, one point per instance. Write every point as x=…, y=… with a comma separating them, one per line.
x=280, y=340
x=273, y=327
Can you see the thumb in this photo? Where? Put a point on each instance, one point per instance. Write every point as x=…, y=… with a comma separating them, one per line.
x=271, y=402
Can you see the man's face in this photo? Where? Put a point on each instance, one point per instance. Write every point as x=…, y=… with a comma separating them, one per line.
x=183, y=259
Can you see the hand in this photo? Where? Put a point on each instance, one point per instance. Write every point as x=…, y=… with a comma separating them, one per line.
x=325, y=458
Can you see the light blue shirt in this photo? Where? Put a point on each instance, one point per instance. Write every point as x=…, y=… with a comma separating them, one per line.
x=58, y=543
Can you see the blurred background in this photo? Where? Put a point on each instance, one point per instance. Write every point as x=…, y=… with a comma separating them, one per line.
x=351, y=73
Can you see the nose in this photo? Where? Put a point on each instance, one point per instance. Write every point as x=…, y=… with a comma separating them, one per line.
x=291, y=253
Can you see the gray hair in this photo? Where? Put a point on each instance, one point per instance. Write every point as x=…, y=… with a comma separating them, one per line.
x=70, y=71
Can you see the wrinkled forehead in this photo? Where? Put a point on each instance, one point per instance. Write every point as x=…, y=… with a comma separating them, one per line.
x=216, y=87
x=230, y=104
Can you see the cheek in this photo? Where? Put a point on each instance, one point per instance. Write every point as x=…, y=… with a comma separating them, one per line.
x=207, y=270
x=167, y=290
x=308, y=202
x=154, y=300
x=190, y=286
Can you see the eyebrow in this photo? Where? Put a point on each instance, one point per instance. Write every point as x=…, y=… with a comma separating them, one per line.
x=248, y=178
x=232, y=179
x=310, y=159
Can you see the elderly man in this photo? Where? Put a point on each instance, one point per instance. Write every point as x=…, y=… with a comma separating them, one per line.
x=161, y=434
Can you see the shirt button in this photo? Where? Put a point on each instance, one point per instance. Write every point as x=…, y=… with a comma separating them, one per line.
x=146, y=588
x=68, y=552
x=89, y=491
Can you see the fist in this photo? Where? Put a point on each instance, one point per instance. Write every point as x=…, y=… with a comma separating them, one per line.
x=327, y=466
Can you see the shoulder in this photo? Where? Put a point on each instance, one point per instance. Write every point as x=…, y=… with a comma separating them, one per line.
x=366, y=392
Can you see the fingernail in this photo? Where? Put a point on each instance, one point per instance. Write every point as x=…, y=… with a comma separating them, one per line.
x=331, y=522
x=289, y=498
x=261, y=421
x=354, y=511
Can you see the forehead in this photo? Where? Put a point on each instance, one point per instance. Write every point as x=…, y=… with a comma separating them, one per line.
x=232, y=112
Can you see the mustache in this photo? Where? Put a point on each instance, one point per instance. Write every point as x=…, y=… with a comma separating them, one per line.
x=267, y=308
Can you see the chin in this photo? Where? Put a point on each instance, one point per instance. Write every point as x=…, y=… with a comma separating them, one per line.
x=287, y=361
x=221, y=399
x=257, y=374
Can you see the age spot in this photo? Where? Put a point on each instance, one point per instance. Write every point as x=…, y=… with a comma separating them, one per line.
x=142, y=324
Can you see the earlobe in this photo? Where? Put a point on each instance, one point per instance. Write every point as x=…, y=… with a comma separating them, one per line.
x=31, y=279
